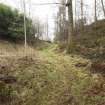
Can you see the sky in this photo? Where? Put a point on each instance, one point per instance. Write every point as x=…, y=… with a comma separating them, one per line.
x=46, y=12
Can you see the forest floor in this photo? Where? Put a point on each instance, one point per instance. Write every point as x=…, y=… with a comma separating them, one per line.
x=49, y=78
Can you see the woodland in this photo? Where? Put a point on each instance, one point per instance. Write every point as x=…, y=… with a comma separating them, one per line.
x=67, y=70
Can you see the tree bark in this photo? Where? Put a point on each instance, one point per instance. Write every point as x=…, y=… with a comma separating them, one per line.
x=70, y=26
x=103, y=7
x=95, y=10
x=82, y=21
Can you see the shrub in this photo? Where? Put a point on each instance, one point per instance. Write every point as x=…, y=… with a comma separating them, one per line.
x=12, y=24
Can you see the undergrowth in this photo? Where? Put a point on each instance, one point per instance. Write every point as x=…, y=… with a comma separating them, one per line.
x=51, y=78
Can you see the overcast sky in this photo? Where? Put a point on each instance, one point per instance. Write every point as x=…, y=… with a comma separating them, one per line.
x=46, y=12
x=40, y=11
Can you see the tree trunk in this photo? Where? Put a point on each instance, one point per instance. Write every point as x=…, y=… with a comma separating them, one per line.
x=75, y=14
x=95, y=10
x=82, y=21
x=103, y=7
x=70, y=27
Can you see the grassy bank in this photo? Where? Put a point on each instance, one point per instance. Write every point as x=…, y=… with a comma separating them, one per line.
x=50, y=78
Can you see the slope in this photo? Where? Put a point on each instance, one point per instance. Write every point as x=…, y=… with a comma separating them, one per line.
x=49, y=78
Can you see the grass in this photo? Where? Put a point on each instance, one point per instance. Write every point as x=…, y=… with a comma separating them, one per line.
x=12, y=49
x=50, y=78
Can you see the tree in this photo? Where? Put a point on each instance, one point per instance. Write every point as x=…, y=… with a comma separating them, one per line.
x=12, y=25
x=95, y=10
x=70, y=27
x=61, y=23
x=82, y=18
x=103, y=7
x=6, y=16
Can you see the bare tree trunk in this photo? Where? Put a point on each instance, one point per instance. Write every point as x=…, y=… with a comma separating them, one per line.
x=103, y=7
x=25, y=27
x=70, y=27
x=75, y=13
x=47, y=29
x=82, y=23
x=95, y=10
x=63, y=20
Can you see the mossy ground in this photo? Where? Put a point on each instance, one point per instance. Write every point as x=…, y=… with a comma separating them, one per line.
x=51, y=78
